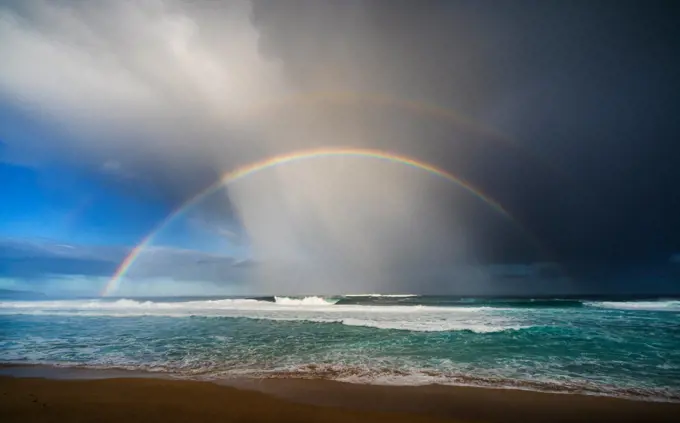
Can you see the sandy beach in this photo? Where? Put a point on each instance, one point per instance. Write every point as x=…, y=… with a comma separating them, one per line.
x=143, y=399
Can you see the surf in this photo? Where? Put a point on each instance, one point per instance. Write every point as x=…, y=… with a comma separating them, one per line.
x=306, y=301
x=659, y=305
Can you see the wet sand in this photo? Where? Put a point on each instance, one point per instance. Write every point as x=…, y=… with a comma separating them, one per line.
x=143, y=399
x=462, y=403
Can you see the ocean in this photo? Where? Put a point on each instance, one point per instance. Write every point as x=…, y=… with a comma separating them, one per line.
x=625, y=348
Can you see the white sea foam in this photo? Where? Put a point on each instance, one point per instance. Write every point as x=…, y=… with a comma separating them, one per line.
x=415, y=376
x=309, y=304
x=638, y=305
x=433, y=326
x=382, y=295
x=310, y=309
x=306, y=301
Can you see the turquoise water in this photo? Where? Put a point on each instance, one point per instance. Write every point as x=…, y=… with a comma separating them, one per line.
x=621, y=348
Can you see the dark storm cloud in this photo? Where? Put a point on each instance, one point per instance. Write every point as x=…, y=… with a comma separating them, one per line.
x=589, y=88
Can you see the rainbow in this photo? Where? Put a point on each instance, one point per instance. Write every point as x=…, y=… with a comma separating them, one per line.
x=316, y=98
x=249, y=169
x=352, y=98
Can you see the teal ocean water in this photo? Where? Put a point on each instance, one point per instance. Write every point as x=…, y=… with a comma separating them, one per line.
x=602, y=346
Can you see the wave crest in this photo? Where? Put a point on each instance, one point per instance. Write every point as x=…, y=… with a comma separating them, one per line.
x=305, y=301
x=305, y=309
x=382, y=295
x=672, y=305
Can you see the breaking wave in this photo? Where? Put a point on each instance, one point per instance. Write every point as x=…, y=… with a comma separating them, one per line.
x=382, y=295
x=672, y=305
x=305, y=301
x=307, y=309
x=388, y=313
x=302, y=304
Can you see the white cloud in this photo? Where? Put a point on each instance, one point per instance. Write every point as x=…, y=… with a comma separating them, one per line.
x=131, y=77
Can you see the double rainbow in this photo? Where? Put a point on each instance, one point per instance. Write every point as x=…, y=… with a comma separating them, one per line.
x=247, y=170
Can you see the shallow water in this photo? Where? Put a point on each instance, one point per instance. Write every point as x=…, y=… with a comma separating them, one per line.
x=620, y=348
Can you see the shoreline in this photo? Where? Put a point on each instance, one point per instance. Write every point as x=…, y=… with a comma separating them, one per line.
x=84, y=372
x=457, y=403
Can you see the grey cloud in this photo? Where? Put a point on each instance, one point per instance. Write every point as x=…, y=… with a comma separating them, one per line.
x=161, y=87
x=179, y=92
x=176, y=93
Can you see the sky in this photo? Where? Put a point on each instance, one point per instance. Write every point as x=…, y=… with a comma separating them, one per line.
x=114, y=116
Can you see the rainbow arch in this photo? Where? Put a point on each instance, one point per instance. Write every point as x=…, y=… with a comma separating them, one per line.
x=316, y=98
x=296, y=156
x=457, y=119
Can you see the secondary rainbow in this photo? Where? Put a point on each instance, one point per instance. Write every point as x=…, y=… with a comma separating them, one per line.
x=249, y=169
